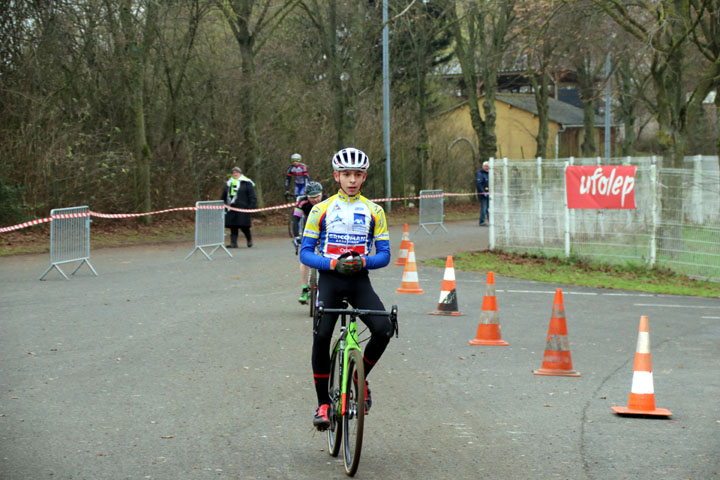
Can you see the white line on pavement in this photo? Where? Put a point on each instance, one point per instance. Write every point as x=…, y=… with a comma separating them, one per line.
x=675, y=306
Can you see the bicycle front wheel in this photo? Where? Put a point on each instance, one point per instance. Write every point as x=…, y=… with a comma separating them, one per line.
x=290, y=222
x=354, y=417
x=333, y=433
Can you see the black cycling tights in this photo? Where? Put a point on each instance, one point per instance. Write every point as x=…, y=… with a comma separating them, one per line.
x=332, y=288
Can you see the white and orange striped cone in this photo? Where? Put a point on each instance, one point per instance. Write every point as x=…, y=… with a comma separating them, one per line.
x=642, y=393
x=404, y=243
x=557, y=359
x=410, y=282
x=488, y=331
x=448, y=304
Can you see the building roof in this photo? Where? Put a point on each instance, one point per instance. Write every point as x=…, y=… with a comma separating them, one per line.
x=563, y=113
x=560, y=112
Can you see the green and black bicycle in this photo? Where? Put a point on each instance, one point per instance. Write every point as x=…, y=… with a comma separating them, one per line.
x=347, y=383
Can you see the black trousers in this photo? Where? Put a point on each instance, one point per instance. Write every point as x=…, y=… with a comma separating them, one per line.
x=234, y=233
x=332, y=288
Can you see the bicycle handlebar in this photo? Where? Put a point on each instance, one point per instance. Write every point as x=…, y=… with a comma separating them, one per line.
x=356, y=312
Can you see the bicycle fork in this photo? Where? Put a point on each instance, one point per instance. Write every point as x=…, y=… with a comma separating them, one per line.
x=348, y=343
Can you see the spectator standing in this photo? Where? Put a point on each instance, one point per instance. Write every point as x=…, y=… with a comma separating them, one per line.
x=239, y=192
x=298, y=172
x=482, y=182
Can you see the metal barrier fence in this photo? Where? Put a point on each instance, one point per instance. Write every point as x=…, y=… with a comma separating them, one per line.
x=209, y=227
x=431, y=210
x=676, y=224
x=69, y=239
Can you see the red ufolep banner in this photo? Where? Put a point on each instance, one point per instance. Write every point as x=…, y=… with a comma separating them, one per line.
x=610, y=186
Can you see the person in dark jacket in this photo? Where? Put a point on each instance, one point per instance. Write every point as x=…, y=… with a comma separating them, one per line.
x=239, y=192
x=482, y=182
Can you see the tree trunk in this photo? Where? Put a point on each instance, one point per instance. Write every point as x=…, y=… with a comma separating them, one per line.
x=250, y=153
x=138, y=53
x=627, y=106
x=541, y=92
x=587, y=97
x=487, y=27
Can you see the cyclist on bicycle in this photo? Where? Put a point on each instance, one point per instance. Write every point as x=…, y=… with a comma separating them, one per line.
x=313, y=196
x=297, y=171
x=346, y=225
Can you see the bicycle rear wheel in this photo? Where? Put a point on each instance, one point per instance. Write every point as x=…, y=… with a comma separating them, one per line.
x=354, y=417
x=312, y=286
x=333, y=433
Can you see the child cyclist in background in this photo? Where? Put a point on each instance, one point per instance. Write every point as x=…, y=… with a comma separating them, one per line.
x=346, y=226
x=305, y=203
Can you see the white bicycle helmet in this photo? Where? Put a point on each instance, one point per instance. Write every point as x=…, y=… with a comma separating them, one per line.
x=350, y=159
x=296, y=157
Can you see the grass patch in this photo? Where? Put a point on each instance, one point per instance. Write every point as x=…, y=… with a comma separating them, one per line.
x=582, y=273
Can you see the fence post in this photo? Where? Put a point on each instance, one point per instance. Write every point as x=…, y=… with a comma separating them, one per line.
x=491, y=212
x=541, y=229
x=697, y=193
x=506, y=199
x=572, y=212
x=567, y=212
x=69, y=239
x=653, y=212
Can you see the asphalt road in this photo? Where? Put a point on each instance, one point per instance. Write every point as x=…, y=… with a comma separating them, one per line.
x=162, y=368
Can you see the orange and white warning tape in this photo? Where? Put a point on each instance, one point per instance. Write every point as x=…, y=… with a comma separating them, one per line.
x=134, y=215
x=32, y=223
x=202, y=207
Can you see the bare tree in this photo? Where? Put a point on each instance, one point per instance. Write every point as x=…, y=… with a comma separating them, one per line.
x=541, y=40
x=420, y=44
x=707, y=39
x=481, y=31
x=252, y=23
x=667, y=27
x=139, y=35
x=346, y=40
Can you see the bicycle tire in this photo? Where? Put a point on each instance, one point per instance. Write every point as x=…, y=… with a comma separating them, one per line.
x=354, y=417
x=312, y=286
x=334, y=432
x=290, y=222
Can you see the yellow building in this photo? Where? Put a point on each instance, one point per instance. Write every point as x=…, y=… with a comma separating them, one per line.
x=451, y=132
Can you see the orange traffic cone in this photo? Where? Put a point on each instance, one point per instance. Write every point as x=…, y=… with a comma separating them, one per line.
x=557, y=360
x=410, y=282
x=642, y=394
x=404, y=244
x=448, y=305
x=488, y=331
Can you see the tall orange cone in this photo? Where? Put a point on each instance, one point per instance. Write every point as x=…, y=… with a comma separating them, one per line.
x=488, y=331
x=410, y=282
x=447, y=304
x=642, y=394
x=557, y=360
x=404, y=244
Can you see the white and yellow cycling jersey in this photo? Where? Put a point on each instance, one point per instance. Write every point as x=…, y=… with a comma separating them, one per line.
x=344, y=224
